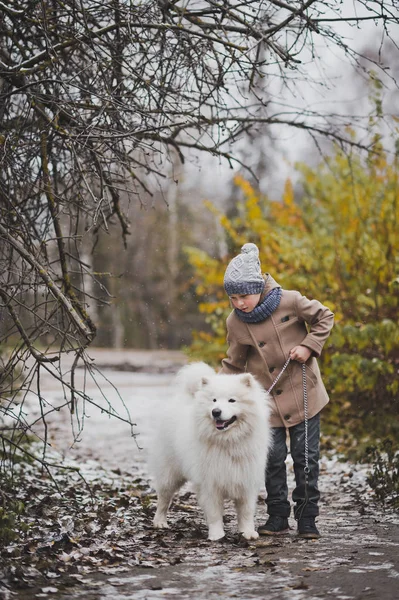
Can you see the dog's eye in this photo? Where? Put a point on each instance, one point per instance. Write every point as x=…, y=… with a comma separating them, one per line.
x=214, y=400
x=231, y=400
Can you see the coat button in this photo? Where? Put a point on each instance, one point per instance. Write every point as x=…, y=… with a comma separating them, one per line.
x=278, y=392
x=261, y=344
x=272, y=369
x=287, y=417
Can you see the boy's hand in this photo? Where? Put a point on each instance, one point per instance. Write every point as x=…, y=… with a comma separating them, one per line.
x=300, y=353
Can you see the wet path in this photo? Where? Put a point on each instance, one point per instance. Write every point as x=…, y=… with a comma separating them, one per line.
x=357, y=557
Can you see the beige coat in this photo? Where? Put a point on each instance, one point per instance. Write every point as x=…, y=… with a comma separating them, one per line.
x=262, y=349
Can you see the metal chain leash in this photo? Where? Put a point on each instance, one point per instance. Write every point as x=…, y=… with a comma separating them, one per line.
x=279, y=375
x=305, y=410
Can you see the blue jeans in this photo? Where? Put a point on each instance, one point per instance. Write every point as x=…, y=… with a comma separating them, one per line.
x=306, y=494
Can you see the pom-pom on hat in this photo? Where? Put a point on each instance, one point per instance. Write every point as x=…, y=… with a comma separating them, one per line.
x=243, y=274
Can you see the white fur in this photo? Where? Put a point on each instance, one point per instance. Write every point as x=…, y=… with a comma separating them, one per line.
x=228, y=463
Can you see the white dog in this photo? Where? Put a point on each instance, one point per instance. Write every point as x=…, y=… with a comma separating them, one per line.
x=216, y=434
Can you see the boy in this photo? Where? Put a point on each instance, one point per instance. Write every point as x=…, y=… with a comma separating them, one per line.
x=267, y=326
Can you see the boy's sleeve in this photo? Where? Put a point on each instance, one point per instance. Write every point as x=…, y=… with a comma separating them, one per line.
x=236, y=360
x=320, y=320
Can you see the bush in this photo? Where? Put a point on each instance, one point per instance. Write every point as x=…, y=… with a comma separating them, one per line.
x=336, y=242
x=384, y=479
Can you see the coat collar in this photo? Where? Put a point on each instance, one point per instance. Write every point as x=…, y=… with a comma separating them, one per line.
x=270, y=284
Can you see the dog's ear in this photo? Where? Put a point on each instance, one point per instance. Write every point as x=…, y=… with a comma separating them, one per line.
x=204, y=381
x=247, y=379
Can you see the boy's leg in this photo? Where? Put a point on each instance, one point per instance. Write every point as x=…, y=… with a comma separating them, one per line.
x=306, y=493
x=276, y=475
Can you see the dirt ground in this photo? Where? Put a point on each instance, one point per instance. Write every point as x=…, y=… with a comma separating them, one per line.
x=357, y=556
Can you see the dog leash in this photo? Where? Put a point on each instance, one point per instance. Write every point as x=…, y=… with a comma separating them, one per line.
x=305, y=411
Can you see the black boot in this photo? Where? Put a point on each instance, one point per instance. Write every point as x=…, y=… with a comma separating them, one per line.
x=307, y=528
x=274, y=525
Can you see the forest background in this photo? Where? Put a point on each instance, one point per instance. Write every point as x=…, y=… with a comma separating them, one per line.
x=122, y=199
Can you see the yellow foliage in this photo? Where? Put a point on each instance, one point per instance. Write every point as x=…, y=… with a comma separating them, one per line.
x=338, y=243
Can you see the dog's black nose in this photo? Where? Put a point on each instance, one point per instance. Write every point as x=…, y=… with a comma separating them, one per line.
x=216, y=413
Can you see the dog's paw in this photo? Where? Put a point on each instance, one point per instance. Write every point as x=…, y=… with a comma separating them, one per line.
x=215, y=534
x=250, y=535
x=160, y=524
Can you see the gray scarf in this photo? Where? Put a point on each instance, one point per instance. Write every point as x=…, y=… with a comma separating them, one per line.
x=268, y=305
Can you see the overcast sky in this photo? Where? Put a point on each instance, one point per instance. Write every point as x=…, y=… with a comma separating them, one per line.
x=337, y=89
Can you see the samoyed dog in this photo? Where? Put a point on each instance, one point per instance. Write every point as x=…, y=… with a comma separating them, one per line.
x=215, y=434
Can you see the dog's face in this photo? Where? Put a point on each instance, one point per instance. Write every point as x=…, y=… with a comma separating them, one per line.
x=227, y=399
x=224, y=412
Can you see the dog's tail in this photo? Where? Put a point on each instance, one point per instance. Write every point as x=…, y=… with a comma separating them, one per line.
x=189, y=378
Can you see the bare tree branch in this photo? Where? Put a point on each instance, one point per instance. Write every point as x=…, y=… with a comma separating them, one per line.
x=95, y=99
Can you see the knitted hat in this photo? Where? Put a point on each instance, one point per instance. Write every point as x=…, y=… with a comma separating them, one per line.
x=243, y=274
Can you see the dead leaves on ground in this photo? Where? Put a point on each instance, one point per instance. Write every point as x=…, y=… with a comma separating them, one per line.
x=103, y=524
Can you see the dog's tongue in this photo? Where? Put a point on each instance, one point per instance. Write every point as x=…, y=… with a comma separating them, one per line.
x=220, y=424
